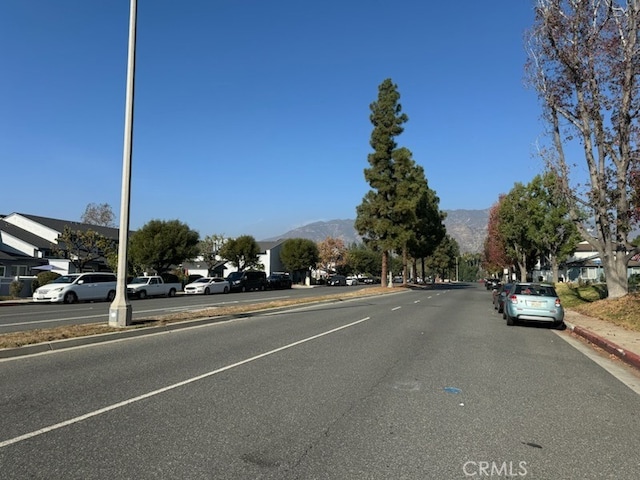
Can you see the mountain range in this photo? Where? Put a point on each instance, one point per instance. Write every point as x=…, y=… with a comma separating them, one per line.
x=467, y=227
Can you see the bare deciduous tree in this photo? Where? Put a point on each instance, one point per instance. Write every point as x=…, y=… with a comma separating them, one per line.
x=584, y=62
x=99, y=214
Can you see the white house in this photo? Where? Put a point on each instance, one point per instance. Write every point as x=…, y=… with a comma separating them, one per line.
x=28, y=245
x=585, y=265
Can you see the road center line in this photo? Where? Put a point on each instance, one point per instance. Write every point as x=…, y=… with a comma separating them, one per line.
x=153, y=393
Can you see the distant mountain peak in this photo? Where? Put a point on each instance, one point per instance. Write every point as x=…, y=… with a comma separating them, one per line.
x=467, y=227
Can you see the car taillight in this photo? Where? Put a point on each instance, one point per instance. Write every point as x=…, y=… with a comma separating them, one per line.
x=513, y=299
x=557, y=302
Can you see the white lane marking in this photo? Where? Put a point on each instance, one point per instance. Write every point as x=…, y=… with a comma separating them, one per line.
x=395, y=308
x=416, y=301
x=153, y=393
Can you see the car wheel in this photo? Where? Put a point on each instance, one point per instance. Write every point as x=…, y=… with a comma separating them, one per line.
x=207, y=291
x=226, y=290
x=70, y=297
x=243, y=289
x=510, y=320
x=172, y=292
x=142, y=294
x=111, y=295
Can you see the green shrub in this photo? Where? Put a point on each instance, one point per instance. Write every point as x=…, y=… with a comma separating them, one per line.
x=46, y=277
x=634, y=279
x=15, y=288
x=34, y=285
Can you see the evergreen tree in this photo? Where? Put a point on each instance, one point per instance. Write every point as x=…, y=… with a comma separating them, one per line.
x=556, y=234
x=243, y=252
x=160, y=244
x=517, y=229
x=376, y=214
x=299, y=256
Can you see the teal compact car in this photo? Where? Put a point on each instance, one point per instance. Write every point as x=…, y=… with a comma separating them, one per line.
x=533, y=302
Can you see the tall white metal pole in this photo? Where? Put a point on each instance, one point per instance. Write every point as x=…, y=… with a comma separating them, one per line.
x=120, y=310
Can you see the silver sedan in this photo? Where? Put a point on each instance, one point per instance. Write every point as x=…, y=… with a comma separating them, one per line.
x=206, y=286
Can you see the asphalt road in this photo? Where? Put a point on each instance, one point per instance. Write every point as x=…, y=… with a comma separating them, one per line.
x=418, y=385
x=32, y=316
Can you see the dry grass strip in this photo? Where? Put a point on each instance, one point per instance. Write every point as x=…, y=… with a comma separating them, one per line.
x=19, y=339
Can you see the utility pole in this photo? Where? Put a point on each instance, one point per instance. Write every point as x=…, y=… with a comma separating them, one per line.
x=120, y=313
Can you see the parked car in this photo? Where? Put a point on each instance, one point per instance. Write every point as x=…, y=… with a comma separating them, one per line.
x=207, y=285
x=351, y=281
x=336, y=280
x=278, y=280
x=490, y=283
x=152, y=286
x=78, y=287
x=499, y=296
x=247, y=280
x=532, y=302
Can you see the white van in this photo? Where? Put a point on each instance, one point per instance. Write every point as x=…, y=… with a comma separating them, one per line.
x=78, y=287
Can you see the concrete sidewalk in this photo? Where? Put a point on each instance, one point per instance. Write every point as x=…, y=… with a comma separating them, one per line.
x=616, y=340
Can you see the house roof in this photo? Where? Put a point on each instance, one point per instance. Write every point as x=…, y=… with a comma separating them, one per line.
x=265, y=246
x=6, y=256
x=17, y=257
x=594, y=261
x=58, y=225
x=25, y=236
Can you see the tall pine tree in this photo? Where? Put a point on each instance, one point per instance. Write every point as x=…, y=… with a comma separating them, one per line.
x=376, y=216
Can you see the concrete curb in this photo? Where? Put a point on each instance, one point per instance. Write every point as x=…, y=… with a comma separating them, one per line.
x=12, y=303
x=626, y=356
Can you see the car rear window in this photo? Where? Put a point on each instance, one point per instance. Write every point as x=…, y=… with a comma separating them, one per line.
x=535, y=290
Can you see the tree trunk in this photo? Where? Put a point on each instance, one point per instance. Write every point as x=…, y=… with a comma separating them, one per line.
x=404, y=265
x=554, y=268
x=522, y=265
x=385, y=266
x=615, y=272
x=414, y=266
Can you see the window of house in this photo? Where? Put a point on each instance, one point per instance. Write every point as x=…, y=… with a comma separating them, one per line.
x=19, y=270
x=2, y=270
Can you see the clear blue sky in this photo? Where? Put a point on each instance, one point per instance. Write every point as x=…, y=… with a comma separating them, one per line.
x=252, y=117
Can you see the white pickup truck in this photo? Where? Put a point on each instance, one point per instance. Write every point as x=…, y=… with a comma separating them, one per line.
x=153, y=286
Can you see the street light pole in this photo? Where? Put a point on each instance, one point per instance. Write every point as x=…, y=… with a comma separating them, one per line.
x=120, y=310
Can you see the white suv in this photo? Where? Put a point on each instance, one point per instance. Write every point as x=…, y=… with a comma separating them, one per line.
x=78, y=287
